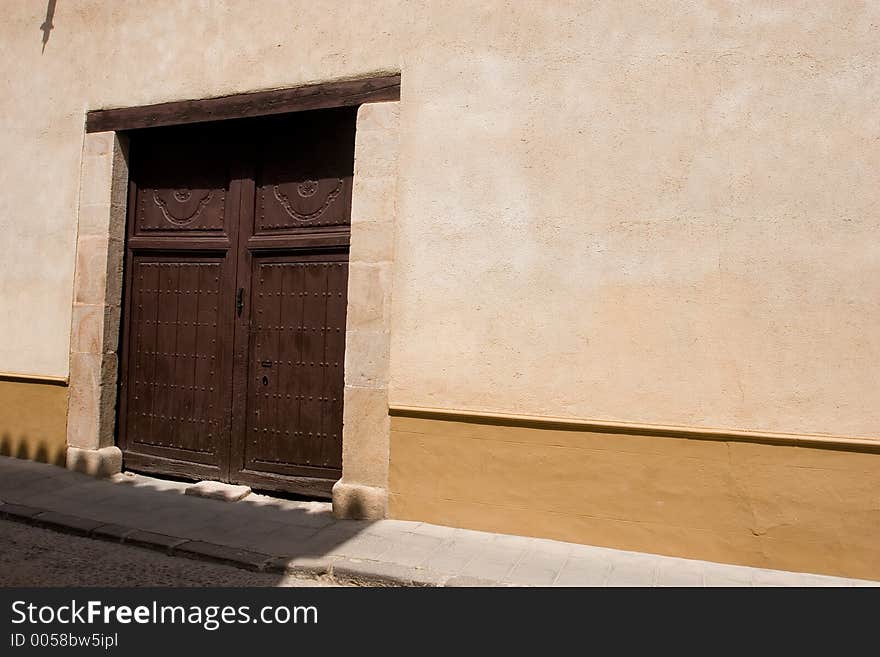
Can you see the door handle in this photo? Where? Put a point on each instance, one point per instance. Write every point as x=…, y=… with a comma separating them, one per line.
x=239, y=301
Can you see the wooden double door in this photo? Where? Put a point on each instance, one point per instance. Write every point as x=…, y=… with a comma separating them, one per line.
x=236, y=271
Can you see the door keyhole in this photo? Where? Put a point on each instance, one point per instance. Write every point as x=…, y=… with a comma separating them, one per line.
x=265, y=380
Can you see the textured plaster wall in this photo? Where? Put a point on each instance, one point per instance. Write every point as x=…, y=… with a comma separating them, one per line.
x=640, y=211
x=772, y=506
x=32, y=420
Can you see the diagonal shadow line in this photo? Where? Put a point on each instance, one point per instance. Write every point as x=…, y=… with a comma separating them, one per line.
x=47, y=25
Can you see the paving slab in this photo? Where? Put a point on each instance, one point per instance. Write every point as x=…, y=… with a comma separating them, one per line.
x=286, y=541
x=301, y=566
x=113, y=516
x=223, y=554
x=153, y=540
x=67, y=523
x=628, y=571
x=409, y=549
x=305, y=516
x=363, y=546
x=383, y=573
x=112, y=532
x=30, y=489
x=578, y=571
x=438, y=531
x=452, y=556
x=537, y=568
x=461, y=581
x=495, y=563
x=19, y=511
x=680, y=575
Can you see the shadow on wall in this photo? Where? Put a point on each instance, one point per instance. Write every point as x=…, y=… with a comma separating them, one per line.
x=33, y=419
x=32, y=450
x=47, y=25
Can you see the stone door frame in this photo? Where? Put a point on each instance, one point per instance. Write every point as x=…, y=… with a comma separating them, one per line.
x=100, y=247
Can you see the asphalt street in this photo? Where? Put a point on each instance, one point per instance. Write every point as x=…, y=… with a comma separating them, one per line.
x=32, y=556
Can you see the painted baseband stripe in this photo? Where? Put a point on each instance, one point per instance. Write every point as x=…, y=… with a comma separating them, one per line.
x=821, y=441
x=34, y=378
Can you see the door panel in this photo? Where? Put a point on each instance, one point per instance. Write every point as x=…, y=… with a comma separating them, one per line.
x=176, y=396
x=296, y=365
x=176, y=365
x=294, y=268
x=182, y=178
x=304, y=173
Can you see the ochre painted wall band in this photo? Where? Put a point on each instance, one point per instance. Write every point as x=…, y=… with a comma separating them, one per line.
x=799, y=504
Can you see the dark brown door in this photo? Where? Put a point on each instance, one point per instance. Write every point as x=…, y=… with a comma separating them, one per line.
x=236, y=280
x=293, y=271
x=176, y=379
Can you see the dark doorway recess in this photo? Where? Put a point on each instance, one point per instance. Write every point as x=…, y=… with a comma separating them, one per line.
x=236, y=273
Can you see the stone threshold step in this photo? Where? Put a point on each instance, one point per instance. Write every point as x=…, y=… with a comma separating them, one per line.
x=216, y=490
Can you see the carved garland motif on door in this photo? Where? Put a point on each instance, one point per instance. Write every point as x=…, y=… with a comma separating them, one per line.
x=306, y=189
x=182, y=196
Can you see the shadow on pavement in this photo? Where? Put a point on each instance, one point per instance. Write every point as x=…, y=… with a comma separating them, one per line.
x=159, y=509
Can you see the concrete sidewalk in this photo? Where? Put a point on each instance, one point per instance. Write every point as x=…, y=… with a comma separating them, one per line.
x=302, y=538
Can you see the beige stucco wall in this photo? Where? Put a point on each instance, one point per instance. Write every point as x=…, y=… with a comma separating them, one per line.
x=642, y=211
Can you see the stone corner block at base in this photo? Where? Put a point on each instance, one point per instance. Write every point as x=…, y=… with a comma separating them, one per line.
x=103, y=462
x=359, y=502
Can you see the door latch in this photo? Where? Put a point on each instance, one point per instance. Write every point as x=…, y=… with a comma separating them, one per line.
x=239, y=301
